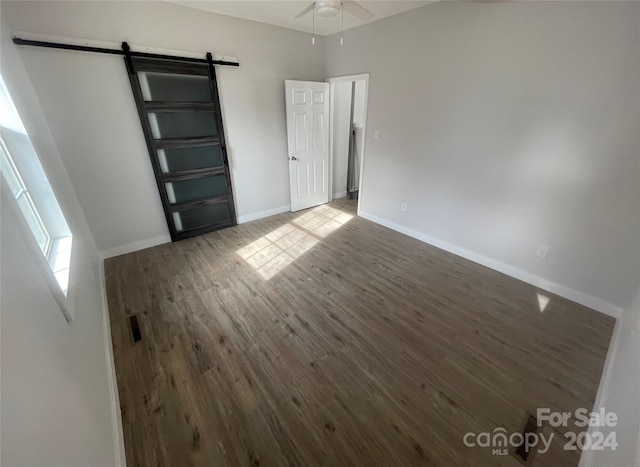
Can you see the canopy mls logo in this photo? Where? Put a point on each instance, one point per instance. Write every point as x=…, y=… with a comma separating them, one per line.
x=501, y=442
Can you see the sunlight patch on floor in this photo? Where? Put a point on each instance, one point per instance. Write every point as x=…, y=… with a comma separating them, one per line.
x=273, y=252
x=543, y=301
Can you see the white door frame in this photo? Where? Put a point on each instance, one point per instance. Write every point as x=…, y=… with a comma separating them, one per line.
x=360, y=77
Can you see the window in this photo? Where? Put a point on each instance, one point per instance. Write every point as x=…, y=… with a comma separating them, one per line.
x=27, y=182
x=24, y=200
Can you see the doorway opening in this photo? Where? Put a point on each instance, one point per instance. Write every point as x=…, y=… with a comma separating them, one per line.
x=348, y=112
x=326, y=137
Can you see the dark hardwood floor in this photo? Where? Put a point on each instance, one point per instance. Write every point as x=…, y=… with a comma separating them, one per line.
x=319, y=338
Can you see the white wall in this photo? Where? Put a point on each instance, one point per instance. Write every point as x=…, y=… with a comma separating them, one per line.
x=87, y=100
x=341, y=126
x=620, y=393
x=505, y=126
x=58, y=402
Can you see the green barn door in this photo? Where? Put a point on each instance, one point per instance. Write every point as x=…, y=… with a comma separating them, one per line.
x=180, y=114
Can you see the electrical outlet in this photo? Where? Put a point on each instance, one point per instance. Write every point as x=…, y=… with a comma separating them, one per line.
x=376, y=134
x=542, y=252
x=403, y=207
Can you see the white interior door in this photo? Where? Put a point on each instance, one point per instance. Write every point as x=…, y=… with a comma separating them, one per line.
x=308, y=137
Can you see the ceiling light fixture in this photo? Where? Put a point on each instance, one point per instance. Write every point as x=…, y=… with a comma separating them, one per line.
x=328, y=9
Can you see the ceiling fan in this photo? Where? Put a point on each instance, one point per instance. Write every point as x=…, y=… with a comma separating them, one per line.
x=329, y=8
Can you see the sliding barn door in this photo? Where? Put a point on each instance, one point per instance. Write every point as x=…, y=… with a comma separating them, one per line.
x=307, y=104
x=180, y=114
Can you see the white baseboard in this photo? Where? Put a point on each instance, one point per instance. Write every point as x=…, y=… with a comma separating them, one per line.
x=135, y=246
x=544, y=284
x=340, y=194
x=151, y=242
x=586, y=459
x=116, y=416
x=260, y=214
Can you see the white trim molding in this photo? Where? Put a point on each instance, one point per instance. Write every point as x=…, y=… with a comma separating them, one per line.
x=135, y=246
x=525, y=276
x=586, y=458
x=116, y=411
x=161, y=239
x=66, y=303
x=261, y=214
x=359, y=77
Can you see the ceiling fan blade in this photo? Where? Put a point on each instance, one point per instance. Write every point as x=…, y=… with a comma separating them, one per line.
x=356, y=9
x=306, y=10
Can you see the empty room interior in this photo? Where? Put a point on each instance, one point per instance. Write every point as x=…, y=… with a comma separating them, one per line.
x=330, y=233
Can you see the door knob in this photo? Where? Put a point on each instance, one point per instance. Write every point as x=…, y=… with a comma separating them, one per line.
x=293, y=158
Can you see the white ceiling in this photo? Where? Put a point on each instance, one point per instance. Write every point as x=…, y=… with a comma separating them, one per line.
x=283, y=13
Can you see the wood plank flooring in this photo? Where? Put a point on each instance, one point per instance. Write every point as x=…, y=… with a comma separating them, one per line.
x=321, y=339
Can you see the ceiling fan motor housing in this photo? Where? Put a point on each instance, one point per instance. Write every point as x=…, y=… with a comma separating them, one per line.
x=328, y=8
